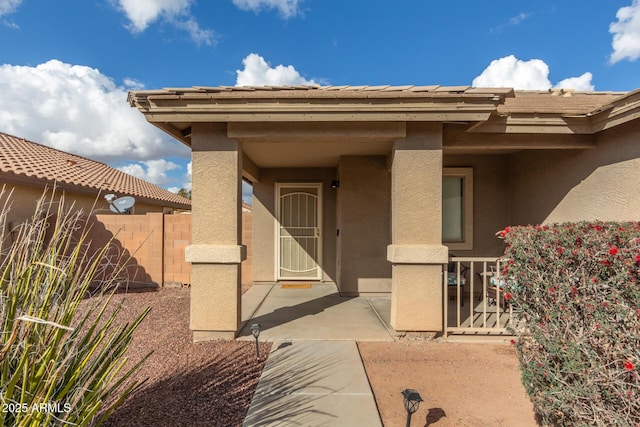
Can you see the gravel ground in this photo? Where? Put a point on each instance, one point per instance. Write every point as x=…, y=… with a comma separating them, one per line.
x=212, y=383
x=201, y=384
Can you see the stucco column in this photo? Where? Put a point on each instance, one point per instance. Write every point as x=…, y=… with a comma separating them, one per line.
x=216, y=251
x=416, y=252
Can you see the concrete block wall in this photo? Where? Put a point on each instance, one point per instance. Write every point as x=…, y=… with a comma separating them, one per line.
x=177, y=236
x=155, y=244
x=137, y=239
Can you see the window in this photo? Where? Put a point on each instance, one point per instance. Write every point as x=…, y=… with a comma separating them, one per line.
x=457, y=208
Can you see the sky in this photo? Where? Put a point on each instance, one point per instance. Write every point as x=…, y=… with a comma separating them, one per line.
x=66, y=66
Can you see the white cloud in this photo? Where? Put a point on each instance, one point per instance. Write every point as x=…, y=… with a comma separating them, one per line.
x=257, y=72
x=519, y=18
x=198, y=35
x=626, y=33
x=512, y=72
x=9, y=6
x=582, y=83
x=141, y=14
x=287, y=8
x=77, y=109
x=132, y=84
x=186, y=184
x=247, y=192
x=187, y=178
x=516, y=20
x=526, y=75
x=153, y=171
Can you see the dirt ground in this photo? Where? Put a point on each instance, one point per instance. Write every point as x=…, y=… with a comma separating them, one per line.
x=212, y=383
x=462, y=384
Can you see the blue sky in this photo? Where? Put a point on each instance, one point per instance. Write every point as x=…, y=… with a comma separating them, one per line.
x=66, y=65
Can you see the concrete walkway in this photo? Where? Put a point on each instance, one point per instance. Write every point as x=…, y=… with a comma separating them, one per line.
x=314, y=375
x=313, y=383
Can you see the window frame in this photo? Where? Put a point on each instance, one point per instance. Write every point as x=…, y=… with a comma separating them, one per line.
x=466, y=173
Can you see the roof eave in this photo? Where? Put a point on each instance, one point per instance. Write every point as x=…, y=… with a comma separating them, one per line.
x=622, y=110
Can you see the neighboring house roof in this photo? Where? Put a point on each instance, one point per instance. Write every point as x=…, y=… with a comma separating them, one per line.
x=27, y=162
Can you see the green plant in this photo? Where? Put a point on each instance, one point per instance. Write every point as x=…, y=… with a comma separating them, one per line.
x=576, y=286
x=58, y=365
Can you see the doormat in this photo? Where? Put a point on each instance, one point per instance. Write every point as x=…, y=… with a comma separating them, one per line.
x=295, y=285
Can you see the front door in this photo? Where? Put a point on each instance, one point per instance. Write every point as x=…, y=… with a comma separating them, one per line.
x=299, y=216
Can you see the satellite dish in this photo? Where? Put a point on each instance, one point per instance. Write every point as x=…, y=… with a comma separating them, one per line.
x=122, y=205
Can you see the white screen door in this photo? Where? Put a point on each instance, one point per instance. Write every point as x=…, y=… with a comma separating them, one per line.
x=299, y=208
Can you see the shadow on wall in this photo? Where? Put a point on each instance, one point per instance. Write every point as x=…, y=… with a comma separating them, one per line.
x=132, y=276
x=569, y=185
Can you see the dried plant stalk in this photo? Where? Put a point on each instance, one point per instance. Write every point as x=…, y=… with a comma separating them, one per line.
x=58, y=366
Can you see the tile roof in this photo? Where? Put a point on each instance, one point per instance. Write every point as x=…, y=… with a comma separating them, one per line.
x=27, y=159
x=557, y=102
x=383, y=91
x=553, y=101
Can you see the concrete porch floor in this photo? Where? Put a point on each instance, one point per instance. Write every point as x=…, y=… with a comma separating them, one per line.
x=315, y=313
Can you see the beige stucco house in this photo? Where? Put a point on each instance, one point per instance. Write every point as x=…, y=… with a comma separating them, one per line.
x=373, y=188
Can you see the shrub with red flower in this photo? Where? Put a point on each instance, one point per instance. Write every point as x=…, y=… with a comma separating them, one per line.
x=504, y=232
x=576, y=290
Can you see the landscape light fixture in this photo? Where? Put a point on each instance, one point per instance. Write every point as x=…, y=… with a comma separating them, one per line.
x=255, y=331
x=412, y=400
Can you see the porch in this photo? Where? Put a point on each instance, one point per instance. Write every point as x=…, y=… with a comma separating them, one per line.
x=475, y=299
x=314, y=312
x=306, y=311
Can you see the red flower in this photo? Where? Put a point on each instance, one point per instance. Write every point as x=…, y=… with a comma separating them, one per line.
x=513, y=342
x=507, y=296
x=613, y=250
x=638, y=259
x=628, y=366
x=505, y=231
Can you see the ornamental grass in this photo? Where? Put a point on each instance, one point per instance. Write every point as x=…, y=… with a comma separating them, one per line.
x=58, y=366
x=576, y=289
